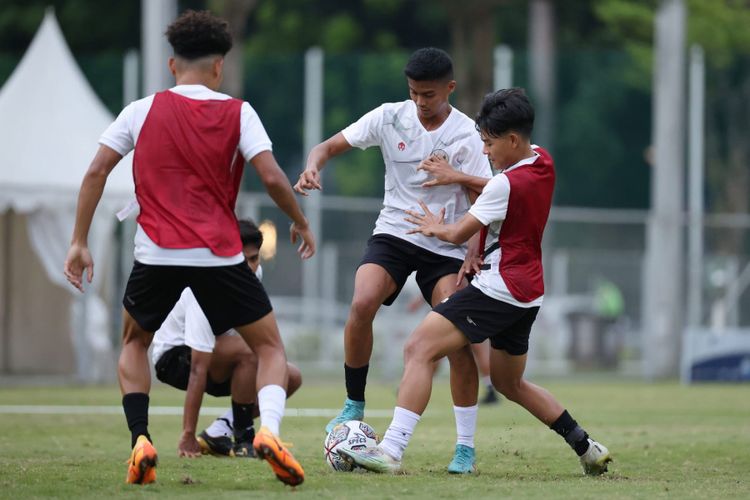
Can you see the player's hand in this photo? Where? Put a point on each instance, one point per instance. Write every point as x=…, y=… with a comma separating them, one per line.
x=441, y=171
x=472, y=266
x=307, y=247
x=308, y=179
x=188, y=446
x=78, y=260
x=426, y=222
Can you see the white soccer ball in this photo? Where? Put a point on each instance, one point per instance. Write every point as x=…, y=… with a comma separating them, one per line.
x=351, y=435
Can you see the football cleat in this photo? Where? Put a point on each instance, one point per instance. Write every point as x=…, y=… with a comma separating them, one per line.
x=595, y=460
x=352, y=410
x=142, y=462
x=268, y=447
x=221, y=445
x=373, y=459
x=491, y=397
x=464, y=461
x=243, y=449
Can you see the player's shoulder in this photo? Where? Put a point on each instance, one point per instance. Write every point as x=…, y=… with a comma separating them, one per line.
x=142, y=104
x=399, y=108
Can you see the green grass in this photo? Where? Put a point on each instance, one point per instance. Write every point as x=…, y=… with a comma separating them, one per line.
x=668, y=441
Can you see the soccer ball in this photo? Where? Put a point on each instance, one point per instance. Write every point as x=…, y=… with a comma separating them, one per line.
x=351, y=435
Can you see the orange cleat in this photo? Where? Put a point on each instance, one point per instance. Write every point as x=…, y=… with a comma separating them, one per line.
x=284, y=465
x=142, y=462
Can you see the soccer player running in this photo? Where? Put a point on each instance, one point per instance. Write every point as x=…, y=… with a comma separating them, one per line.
x=504, y=297
x=431, y=152
x=190, y=144
x=189, y=357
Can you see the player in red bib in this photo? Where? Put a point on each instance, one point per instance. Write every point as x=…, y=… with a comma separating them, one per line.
x=191, y=143
x=503, y=299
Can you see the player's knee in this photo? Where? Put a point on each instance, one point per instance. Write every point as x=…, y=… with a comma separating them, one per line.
x=510, y=389
x=417, y=350
x=363, y=309
x=295, y=379
x=248, y=358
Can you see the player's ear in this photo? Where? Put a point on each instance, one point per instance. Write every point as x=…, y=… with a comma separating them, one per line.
x=172, y=63
x=451, y=86
x=218, y=66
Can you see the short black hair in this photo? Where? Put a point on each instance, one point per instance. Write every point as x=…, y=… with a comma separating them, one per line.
x=504, y=111
x=197, y=34
x=250, y=234
x=429, y=65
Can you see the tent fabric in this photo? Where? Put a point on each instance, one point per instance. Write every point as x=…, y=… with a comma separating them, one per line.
x=50, y=123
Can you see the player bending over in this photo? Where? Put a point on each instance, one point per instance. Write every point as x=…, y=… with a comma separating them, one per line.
x=191, y=143
x=432, y=152
x=189, y=357
x=503, y=299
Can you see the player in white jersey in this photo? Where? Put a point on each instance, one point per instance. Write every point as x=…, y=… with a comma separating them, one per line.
x=423, y=140
x=187, y=355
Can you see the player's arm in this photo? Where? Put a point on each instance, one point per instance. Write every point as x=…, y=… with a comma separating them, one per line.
x=472, y=261
x=277, y=185
x=443, y=173
x=79, y=258
x=433, y=225
x=199, y=363
x=316, y=160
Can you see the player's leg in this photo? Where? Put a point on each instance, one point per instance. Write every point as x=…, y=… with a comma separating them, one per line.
x=433, y=339
x=264, y=339
x=373, y=285
x=134, y=373
x=481, y=352
x=232, y=297
x=464, y=383
x=150, y=294
x=507, y=367
x=232, y=373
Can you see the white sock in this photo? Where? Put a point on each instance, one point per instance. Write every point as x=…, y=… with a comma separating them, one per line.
x=466, y=424
x=487, y=381
x=397, y=436
x=222, y=426
x=271, y=402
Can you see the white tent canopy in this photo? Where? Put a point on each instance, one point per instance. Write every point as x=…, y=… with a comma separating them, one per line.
x=50, y=122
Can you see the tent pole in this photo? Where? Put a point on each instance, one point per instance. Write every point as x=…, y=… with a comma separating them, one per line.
x=7, y=234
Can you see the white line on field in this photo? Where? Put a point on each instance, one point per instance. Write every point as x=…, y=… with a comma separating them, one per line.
x=163, y=410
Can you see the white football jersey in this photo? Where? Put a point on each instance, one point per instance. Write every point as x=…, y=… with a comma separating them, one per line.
x=404, y=143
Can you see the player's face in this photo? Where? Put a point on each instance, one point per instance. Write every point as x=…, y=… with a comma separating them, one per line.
x=431, y=97
x=252, y=256
x=501, y=150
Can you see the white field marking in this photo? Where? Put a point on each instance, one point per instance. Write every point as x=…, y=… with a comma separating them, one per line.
x=163, y=410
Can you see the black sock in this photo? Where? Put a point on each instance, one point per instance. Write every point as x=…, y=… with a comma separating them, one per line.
x=135, y=405
x=356, y=379
x=574, y=435
x=243, y=421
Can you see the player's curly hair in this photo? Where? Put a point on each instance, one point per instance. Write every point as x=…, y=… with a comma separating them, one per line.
x=197, y=34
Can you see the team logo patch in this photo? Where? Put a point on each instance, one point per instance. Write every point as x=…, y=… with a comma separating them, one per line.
x=401, y=146
x=439, y=153
x=460, y=157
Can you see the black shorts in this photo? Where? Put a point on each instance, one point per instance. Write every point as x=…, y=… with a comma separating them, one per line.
x=401, y=258
x=173, y=368
x=480, y=317
x=230, y=296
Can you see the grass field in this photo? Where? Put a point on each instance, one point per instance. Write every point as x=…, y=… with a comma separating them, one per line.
x=668, y=441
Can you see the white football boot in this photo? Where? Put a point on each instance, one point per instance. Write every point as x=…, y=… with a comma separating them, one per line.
x=595, y=460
